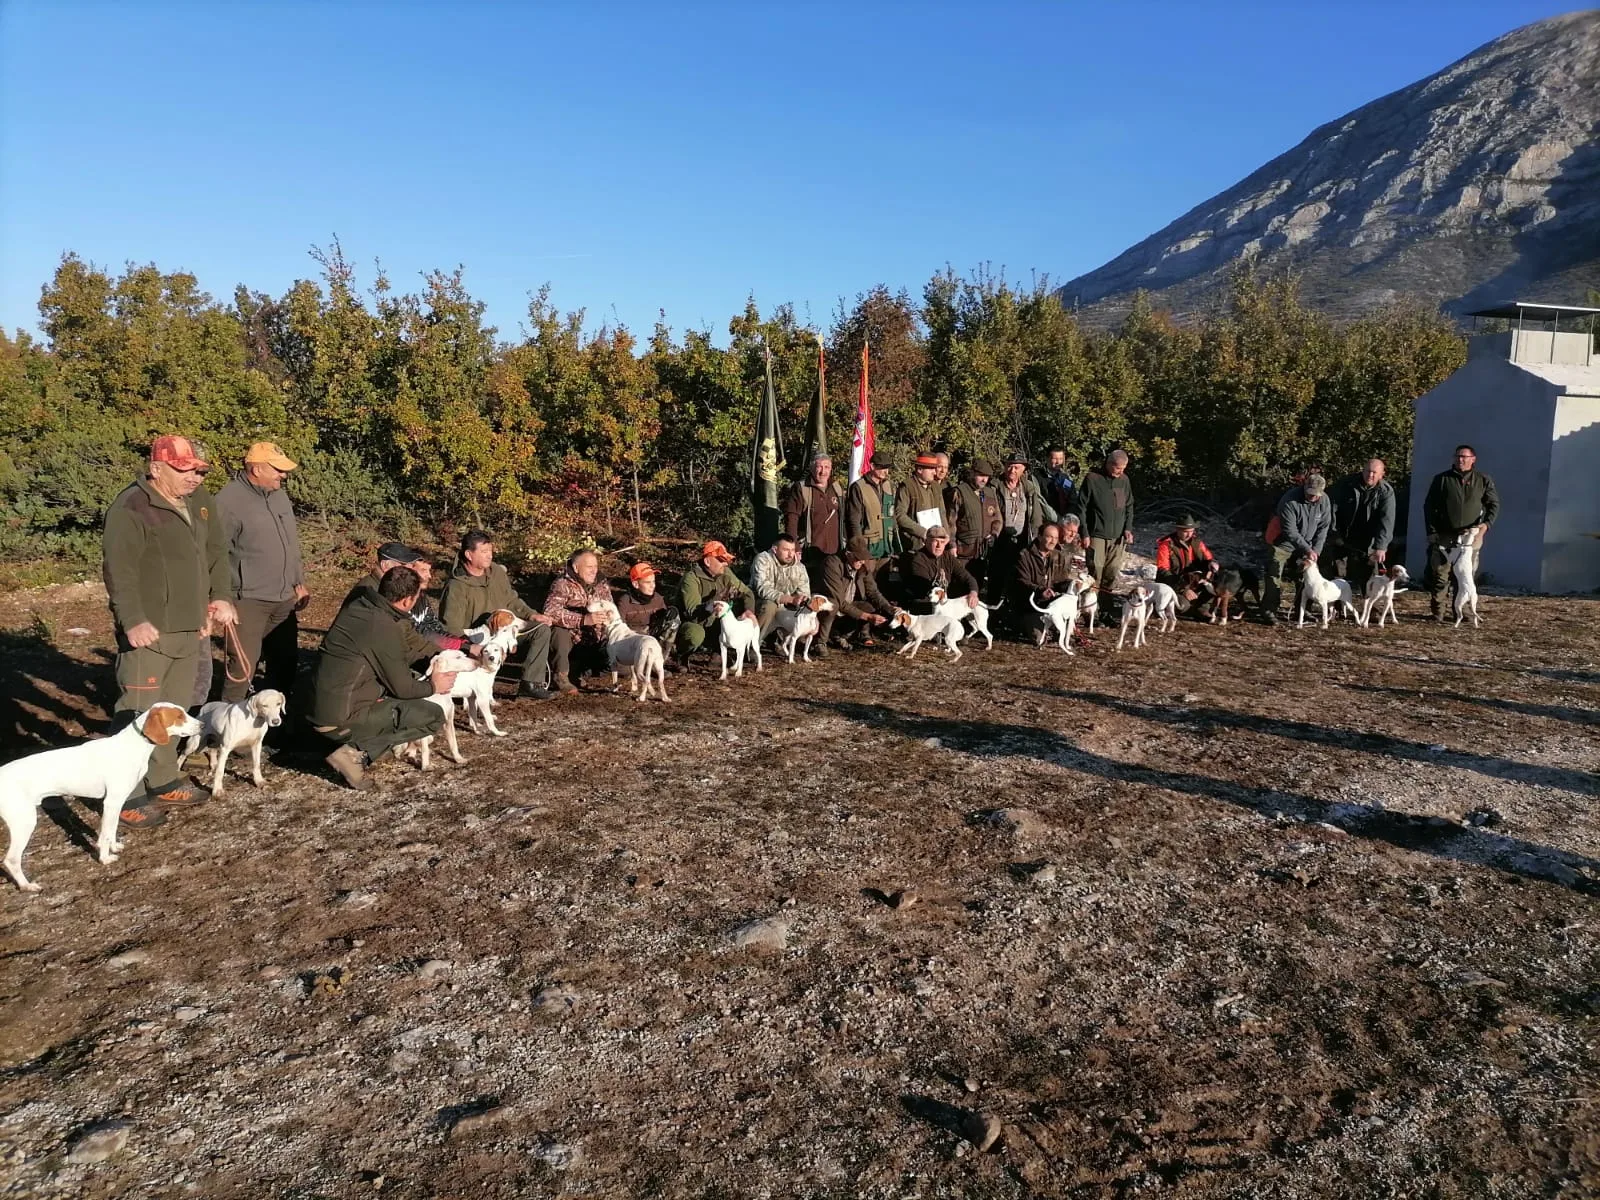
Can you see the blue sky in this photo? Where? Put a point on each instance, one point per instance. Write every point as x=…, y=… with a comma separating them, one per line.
x=661, y=156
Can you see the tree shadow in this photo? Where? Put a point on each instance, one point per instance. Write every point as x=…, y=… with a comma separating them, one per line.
x=1560, y=674
x=1445, y=840
x=1207, y=720
x=1554, y=712
x=34, y=676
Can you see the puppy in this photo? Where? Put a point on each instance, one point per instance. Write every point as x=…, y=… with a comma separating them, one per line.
x=107, y=769
x=1136, y=606
x=924, y=628
x=1380, y=592
x=795, y=625
x=740, y=634
x=1062, y=615
x=1463, y=560
x=968, y=608
x=1330, y=595
x=639, y=652
x=1164, y=607
x=225, y=728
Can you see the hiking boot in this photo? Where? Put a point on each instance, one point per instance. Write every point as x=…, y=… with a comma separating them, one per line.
x=1436, y=610
x=819, y=651
x=1269, y=618
x=141, y=818
x=566, y=687
x=180, y=793
x=534, y=691
x=352, y=767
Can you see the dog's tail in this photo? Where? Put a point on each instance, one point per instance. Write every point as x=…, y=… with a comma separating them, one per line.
x=991, y=607
x=1033, y=602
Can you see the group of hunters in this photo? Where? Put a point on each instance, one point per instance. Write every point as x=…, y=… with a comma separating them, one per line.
x=182, y=565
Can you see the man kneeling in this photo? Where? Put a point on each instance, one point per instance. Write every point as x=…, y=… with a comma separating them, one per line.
x=363, y=694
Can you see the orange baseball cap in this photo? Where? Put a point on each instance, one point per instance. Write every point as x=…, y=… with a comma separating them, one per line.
x=268, y=452
x=715, y=550
x=178, y=452
x=640, y=570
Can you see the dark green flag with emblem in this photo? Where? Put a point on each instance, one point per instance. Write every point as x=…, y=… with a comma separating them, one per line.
x=816, y=424
x=766, y=461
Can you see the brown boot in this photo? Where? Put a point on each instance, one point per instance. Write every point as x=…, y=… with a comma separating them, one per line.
x=352, y=767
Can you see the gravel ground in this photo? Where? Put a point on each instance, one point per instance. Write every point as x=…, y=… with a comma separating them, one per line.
x=1248, y=912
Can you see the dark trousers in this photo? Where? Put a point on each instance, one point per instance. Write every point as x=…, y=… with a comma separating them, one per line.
x=387, y=724
x=575, y=658
x=826, y=572
x=269, y=635
x=165, y=672
x=536, y=661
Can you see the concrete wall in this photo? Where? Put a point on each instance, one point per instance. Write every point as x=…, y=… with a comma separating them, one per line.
x=1571, y=555
x=1507, y=415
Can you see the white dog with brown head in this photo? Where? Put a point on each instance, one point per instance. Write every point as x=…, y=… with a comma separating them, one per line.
x=796, y=625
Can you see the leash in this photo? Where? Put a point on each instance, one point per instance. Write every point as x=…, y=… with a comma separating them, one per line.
x=230, y=639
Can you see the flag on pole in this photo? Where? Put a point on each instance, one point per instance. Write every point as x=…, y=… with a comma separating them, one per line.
x=862, y=444
x=816, y=424
x=766, y=460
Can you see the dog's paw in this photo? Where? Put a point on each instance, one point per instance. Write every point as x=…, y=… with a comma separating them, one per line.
x=30, y=887
x=116, y=847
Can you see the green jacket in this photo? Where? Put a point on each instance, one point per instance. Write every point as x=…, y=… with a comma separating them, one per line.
x=159, y=567
x=366, y=656
x=1107, y=505
x=700, y=589
x=869, y=513
x=1458, y=500
x=911, y=497
x=469, y=599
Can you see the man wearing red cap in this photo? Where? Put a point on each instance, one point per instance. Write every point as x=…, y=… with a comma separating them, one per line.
x=268, y=579
x=919, y=503
x=166, y=570
x=707, y=581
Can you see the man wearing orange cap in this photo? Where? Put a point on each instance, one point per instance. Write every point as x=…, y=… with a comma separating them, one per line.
x=166, y=570
x=268, y=579
x=707, y=581
x=919, y=503
x=639, y=602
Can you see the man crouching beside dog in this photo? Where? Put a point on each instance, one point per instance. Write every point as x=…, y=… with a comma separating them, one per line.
x=363, y=694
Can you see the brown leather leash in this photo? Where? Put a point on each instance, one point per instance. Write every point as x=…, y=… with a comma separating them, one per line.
x=230, y=639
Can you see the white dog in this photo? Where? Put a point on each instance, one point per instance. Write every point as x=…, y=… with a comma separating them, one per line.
x=1463, y=559
x=225, y=728
x=1088, y=598
x=1380, y=592
x=501, y=630
x=1329, y=595
x=967, y=608
x=639, y=652
x=925, y=628
x=1062, y=615
x=1136, y=606
x=1164, y=607
x=795, y=625
x=472, y=684
x=740, y=634
x=106, y=769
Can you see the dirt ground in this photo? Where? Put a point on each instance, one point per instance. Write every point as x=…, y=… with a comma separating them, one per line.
x=1234, y=932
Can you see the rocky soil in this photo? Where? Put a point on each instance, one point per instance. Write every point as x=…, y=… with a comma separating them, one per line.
x=1249, y=912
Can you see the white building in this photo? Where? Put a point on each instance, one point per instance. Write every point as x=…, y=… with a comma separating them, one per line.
x=1528, y=400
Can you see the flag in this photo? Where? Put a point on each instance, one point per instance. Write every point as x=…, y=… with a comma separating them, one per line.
x=816, y=424
x=766, y=460
x=861, y=446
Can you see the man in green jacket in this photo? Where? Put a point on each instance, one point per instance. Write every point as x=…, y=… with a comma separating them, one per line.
x=166, y=570
x=1459, y=501
x=919, y=504
x=363, y=694
x=1107, y=500
x=707, y=581
x=478, y=587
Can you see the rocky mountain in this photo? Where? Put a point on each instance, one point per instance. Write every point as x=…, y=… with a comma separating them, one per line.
x=1478, y=184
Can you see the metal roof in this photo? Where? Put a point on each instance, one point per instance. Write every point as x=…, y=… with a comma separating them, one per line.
x=1531, y=311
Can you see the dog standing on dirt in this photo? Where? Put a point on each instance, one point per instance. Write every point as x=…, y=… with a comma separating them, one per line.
x=925, y=628
x=1136, y=606
x=108, y=769
x=474, y=685
x=1463, y=560
x=225, y=728
x=639, y=652
x=796, y=625
x=740, y=634
x=1381, y=590
x=1329, y=595
x=1230, y=584
x=967, y=608
x=1062, y=615
x=1164, y=604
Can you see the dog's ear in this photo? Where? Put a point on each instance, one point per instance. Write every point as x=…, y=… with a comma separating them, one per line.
x=158, y=723
x=499, y=619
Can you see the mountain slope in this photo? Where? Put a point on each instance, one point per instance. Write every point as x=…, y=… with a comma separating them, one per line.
x=1476, y=184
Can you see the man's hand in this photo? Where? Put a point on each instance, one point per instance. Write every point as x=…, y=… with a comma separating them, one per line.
x=1311, y=556
x=540, y=619
x=1477, y=534
x=443, y=681
x=1127, y=536
x=1379, y=556
x=878, y=619
x=1048, y=593
x=302, y=596
x=474, y=649
x=594, y=619
x=222, y=612
x=972, y=599
x=143, y=634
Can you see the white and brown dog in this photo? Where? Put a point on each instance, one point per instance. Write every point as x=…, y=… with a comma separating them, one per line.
x=1136, y=606
x=639, y=652
x=741, y=634
x=967, y=608
x=226, y=728
x=474, y=686
x=796, y=625
x=501, y=630
x=107, y=769
x=925, y=628
x=1380, y=592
